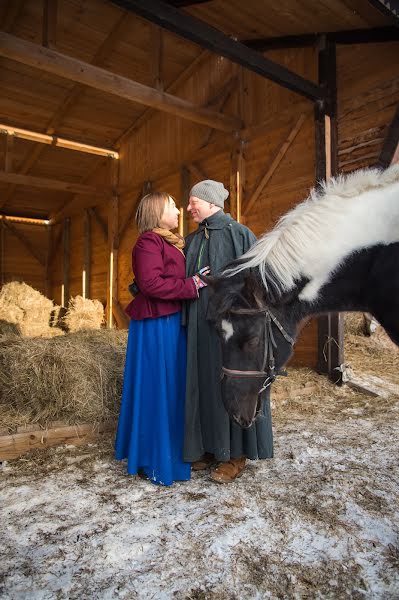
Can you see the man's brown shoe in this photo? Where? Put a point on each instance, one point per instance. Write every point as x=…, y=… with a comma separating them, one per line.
x=229, y=471
x=203, y=463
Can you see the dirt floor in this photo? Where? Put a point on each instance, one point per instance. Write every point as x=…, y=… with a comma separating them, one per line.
x=320, y=520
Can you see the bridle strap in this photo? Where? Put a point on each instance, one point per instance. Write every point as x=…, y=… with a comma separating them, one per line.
x=268, y=349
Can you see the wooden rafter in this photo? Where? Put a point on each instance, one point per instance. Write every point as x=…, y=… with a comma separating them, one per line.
x=276, y=160
x=353, y=36
x=390, y=150
x=208, y=37
x=172, y=88
x=52, y=184
x=68, y=102
x=25, y=241
x=100, y=222
x=76, y=70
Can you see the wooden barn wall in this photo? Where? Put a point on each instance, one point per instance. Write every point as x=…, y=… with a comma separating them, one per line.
x=368, y=94
x=164, y=140
x=17, y=262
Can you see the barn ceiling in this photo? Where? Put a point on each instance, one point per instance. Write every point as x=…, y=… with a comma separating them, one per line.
x=100, y=33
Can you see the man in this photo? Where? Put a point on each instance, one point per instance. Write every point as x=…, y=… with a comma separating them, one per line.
x=211, y=439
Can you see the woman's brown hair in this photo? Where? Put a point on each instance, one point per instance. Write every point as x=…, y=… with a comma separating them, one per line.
x=150, y=210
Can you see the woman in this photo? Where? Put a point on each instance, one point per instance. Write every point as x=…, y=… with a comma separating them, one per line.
x=151, y=420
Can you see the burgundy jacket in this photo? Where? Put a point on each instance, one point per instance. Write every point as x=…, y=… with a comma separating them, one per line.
x=159, y=270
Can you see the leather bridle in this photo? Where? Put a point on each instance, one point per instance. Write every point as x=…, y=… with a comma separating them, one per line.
x=268, y=372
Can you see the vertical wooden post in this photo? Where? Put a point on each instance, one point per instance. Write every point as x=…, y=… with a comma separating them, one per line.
x=113, y=243
x=49, y=23
x=184, y=191
x=86, y=275
x=157, y=56
x=8, y=158
x=66, y=261
x=237, y=175
x=49, y=252
x=2, y=266
x=330, y=326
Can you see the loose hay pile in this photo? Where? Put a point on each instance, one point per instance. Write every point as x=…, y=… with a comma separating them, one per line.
x=83, y=314
x=76, y=378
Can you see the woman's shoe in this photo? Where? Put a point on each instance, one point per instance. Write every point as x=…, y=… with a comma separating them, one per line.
x=228, y=472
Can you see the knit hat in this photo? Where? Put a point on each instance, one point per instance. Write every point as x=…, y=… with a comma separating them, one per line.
x=211, y=191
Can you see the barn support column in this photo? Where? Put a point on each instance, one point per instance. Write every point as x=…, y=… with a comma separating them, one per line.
x=237, y=175
x=86, y=275
x=184, y=193
x=47, y=271
x=66, y=261
x=2, y=265
x=113, y=245
x=330, y=326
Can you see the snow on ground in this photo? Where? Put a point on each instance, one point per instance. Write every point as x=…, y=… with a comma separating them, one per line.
x=320, y=520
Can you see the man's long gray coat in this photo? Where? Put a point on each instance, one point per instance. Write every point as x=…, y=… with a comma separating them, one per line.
x=217, y=241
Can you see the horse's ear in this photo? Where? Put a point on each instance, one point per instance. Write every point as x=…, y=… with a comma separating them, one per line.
x=253, y=289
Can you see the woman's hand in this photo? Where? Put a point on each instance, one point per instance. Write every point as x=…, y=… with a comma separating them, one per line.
x=197, y=277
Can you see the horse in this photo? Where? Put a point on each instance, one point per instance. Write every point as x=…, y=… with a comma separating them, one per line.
x=336, y=251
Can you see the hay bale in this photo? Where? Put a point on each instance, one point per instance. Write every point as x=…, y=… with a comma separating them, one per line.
x=76, y=378
x=23, y=305
x=84, y=314
x=8, y=328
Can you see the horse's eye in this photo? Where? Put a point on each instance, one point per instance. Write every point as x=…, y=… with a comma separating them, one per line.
x=253, y=343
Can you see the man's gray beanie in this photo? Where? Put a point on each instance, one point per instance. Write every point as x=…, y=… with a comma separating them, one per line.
x=211, y=191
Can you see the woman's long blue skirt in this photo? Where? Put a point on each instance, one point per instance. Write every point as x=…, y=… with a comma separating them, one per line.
x=151, y=420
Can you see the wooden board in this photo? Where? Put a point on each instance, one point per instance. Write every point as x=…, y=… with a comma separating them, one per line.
x=15, y=445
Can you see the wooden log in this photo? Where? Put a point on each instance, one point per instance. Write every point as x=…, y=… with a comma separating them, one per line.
x=15, y=445
x=75, y=70
x=52, y=184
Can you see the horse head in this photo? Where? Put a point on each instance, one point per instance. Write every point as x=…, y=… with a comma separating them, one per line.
x=256, y=341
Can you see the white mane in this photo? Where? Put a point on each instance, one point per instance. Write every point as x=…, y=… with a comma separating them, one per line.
x=347, y=214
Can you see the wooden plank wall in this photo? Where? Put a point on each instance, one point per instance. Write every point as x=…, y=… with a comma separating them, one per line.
x=368, y=94
x=18, y=264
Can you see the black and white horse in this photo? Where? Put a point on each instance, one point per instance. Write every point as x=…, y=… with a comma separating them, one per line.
x=336, y=251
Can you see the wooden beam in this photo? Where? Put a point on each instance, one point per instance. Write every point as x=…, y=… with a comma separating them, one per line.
x=100, y=222
x=52, y=184
x=66, y=238
x=149, y=112
x=50, y=23
x=121, y=318
x=47, y=269
x=56, y=241
x=352, y=36
x=391, y=143
x=185, y=187
x=2, y=266
x=330, y=326
x=196, y=172
x=9, y=153
x=199, y=32
x=75, y=70
x=16, y=444
x=86, y=279
x=277, y=121
x=275, y=162
x=157, y=57
x=237, y=178
x=146, y=189
x=389, y=8
x=113, y=244
x=25, y=241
